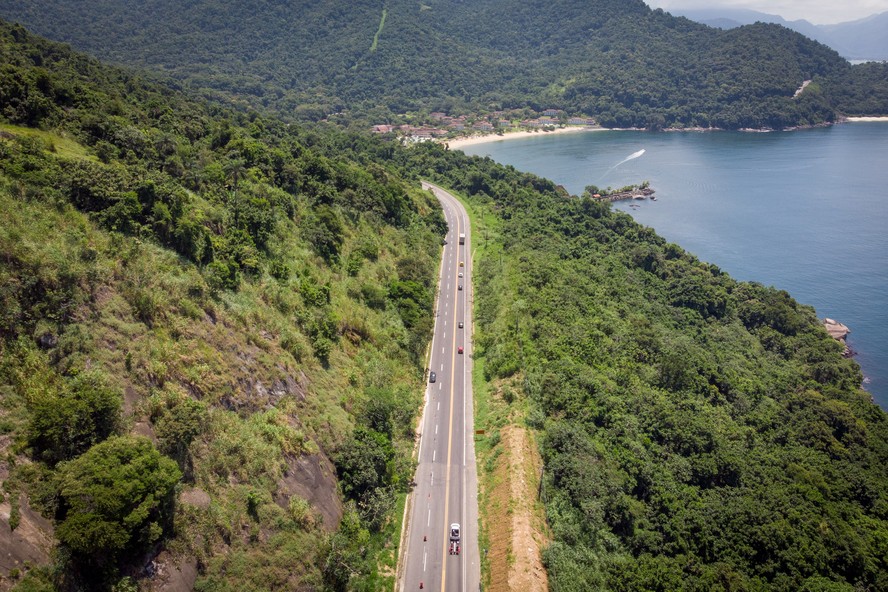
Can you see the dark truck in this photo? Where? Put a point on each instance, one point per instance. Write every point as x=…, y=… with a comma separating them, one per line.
x=454, y=539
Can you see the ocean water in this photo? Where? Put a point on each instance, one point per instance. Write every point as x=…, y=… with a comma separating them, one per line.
x=804, y=211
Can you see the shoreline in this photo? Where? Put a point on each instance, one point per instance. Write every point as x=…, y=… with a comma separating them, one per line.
x=867, y=118
x=462, y=142
x=459, y=143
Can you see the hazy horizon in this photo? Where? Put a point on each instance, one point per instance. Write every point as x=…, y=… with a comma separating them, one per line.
x=818, y=12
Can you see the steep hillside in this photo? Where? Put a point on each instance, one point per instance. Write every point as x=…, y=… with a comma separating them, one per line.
x=617, y=61
x=211, y=340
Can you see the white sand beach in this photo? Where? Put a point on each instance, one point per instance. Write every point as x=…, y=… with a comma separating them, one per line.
x=877, y=118
x=458, y=143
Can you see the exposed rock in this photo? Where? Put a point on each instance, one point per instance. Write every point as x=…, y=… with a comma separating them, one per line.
x=30, y=543
x=313, y=478
x=195, y=497
x=839, y=332
x=169, y=575
x=836, y=329
x=131, y=398
x=143, y=428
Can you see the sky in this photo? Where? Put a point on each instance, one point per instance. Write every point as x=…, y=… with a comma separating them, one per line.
x=819, y=12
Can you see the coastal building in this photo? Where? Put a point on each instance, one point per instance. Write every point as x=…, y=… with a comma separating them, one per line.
x=483, y=126
x=424, y=133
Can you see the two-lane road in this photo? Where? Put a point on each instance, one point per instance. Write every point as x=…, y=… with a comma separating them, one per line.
x=446, y=478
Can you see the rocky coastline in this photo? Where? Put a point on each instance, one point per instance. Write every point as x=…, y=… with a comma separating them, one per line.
x=839, y=332
x=634, y=193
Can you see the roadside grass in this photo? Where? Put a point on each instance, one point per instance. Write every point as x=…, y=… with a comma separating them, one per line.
x=384, y=575
x=490, y=414
x=498, y=405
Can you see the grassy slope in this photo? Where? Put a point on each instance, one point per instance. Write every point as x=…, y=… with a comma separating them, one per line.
x=267, y=400
x=253, y=386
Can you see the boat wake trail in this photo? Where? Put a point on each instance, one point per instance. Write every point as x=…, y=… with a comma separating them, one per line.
x=632, y=156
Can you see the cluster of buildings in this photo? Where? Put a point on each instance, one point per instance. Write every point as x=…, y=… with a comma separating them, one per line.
x=441, y=124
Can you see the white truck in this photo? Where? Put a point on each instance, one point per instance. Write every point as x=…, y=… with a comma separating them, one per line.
x=454, y=539
x=462, y=239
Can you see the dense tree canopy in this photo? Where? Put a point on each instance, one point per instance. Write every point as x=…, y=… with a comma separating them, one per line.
x=117, y=495
x=618, y=61
x=697, y=432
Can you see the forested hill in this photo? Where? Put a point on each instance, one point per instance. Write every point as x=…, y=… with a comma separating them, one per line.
x=211, y=340
x=615, y=60
x=212, y=328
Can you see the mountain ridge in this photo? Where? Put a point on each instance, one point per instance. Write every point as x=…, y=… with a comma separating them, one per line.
x=620, y=62
x=859, y=39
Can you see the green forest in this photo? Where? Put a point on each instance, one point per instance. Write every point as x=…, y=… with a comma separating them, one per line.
x=615, y=60
x=212, y=333
x=697, y=433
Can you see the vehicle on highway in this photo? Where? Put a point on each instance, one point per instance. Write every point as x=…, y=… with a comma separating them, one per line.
x=459, y=350
x=460, y=274
x=460, y=286
x=460, y=324
x=454, y=539
x=432, y=377
x=462, y=239
x=460, y=263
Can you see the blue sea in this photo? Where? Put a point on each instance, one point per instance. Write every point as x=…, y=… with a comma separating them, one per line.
x=804, y=211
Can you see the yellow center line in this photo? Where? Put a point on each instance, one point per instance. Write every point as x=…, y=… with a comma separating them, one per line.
x=450, y=421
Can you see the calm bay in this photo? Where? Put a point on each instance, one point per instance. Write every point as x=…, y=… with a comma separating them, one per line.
x=804, y=211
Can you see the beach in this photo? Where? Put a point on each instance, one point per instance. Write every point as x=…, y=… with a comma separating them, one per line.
x=459, y=143
x=877, y=118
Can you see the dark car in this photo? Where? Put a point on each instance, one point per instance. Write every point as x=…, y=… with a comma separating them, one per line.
x=460, y=324
x=460, y=286
x=432, y=377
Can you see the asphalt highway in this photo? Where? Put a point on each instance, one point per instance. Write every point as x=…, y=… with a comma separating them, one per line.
x=446, y=478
